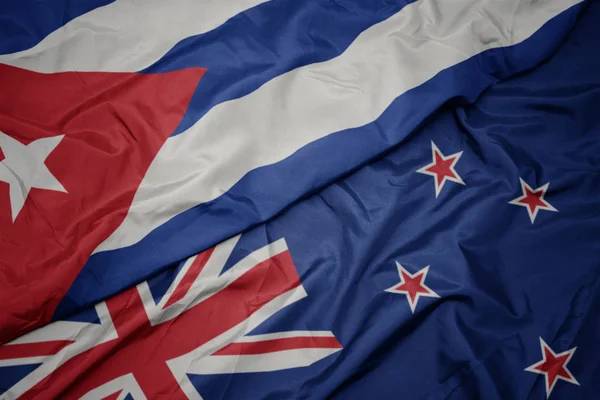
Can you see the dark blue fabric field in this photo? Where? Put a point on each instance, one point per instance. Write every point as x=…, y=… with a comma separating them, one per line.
x=503, y=282
x=448, y=249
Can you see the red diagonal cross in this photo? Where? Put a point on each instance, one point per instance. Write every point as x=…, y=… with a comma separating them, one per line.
x=143, y=349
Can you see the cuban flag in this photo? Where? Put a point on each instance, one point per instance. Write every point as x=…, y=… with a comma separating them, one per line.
x=281, y=199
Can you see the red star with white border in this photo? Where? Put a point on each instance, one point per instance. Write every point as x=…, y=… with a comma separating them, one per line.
x=442, y=168
x=533, y=200
x=412, y=285
x=553, y=366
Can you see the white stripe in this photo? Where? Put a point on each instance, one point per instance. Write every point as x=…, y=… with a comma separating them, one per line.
x=127, y=35
x=59, y=330
x=236, y=364
x=283, y=335
x=311, y=102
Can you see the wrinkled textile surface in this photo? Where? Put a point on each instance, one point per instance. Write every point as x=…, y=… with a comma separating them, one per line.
x=305, y=200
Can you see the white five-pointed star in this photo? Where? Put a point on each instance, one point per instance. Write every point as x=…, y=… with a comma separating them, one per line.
x=412, y=285
x=533, y=200
x=553, y=366
x=23, y=168
x=442, y=168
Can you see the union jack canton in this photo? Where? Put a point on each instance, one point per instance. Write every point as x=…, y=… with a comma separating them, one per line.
x=208, y=314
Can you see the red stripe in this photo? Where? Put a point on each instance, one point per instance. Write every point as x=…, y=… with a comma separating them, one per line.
x=271, y=346
x=190, y=276
x=24, y=350
x=113, y=396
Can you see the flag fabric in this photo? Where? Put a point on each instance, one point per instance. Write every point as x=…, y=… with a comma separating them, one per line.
x=284, y=199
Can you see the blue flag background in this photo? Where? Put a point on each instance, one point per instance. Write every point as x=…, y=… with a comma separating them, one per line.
x=503, y=282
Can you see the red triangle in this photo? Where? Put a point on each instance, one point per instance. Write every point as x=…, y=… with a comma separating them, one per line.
x=113, y=396
x=114, y=124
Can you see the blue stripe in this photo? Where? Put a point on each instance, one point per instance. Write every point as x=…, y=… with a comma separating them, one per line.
x=265, y=191
x=268, y=40
x=24, y=23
